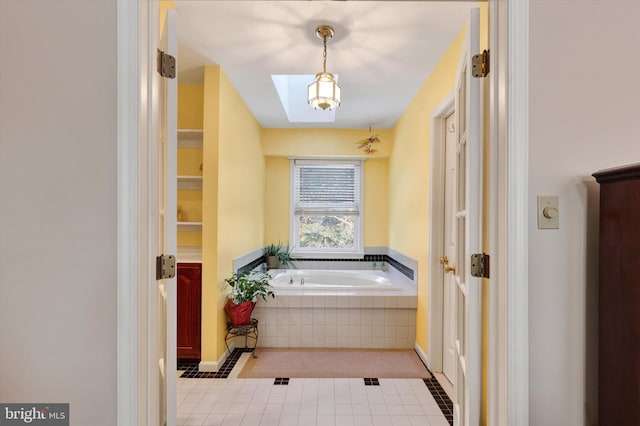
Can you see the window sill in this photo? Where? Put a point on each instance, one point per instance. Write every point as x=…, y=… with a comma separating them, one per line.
x=326, y=255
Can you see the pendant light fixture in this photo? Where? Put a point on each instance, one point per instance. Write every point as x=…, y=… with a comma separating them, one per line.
x=324, y=92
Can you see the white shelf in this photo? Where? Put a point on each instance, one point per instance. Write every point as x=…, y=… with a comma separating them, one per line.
x=190, y=138
x=190, y=226
x=190, y=182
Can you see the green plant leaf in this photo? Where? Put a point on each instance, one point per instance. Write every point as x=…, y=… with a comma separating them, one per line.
x=248, y=286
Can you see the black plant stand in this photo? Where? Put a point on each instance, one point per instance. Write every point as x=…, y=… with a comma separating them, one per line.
x=249, y=331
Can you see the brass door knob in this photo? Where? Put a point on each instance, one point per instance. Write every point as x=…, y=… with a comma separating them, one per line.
x=444, y=260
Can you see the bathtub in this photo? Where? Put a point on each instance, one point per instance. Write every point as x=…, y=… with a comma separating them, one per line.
x=331, y=280
x=338, y=309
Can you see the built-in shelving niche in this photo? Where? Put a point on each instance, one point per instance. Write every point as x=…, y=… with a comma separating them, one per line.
x=190, y=138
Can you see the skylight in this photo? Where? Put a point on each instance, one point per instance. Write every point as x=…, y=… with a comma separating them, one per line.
x=292, y=91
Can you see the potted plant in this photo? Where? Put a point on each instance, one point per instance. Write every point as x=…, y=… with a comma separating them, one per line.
x=246, y=288
x=277, y=254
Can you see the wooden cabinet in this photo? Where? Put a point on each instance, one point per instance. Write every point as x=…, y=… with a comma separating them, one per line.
x=619, y=296
x=189, y=308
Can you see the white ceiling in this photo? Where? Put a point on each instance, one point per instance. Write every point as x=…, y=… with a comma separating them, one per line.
x=383, y=51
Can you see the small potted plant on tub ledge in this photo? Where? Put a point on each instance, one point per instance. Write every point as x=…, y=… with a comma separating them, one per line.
x=246, y=288
x=276, y=255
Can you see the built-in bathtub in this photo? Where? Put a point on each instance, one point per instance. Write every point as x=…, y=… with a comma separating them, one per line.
x=328, y=280
x=338, y=309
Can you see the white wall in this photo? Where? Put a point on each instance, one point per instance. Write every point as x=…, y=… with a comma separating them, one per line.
x=58, y=206
x=584, y=116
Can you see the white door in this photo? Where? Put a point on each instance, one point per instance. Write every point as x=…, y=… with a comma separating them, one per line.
x=163, y=298
x=450, y=253
x=467, y=289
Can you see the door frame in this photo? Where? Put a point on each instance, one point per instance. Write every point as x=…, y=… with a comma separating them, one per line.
x=165, y=164
x=508, y=288
x=507, y=349
x=137, y=37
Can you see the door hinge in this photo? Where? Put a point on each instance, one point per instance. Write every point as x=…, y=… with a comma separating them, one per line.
x=480, y=64
x=165, y=266
x=166, y=65
x=480, y=265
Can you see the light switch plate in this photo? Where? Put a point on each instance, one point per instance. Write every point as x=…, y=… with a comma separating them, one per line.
x=548, y=212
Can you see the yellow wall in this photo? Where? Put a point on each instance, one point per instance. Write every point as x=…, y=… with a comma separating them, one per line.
x=210, y=288
x=164, y=6
x=190, y=203
x=409, y=175
x=189, y=162
x=233, y=199
x=190, y=106
x=376, y=202
x=276, y=219
x=322, y=142
x=281, y=144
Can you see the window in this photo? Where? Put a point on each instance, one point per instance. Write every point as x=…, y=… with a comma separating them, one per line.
x=326, y=218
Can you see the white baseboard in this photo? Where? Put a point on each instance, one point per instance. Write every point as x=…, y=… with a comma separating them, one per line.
x=213, y=366
x=423, y=356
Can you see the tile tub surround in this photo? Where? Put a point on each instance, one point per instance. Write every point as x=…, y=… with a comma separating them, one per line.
x=337, y=321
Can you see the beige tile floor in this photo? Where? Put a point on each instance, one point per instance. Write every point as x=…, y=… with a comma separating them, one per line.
x=308, y=402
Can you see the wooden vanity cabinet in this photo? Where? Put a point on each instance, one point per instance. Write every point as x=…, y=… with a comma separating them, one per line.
x=189, y=308
x=619, y=296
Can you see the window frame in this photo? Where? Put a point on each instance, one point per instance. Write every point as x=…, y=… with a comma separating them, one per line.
x=357, y=252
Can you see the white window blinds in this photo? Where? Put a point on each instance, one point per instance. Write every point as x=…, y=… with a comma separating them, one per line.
x=325, y=187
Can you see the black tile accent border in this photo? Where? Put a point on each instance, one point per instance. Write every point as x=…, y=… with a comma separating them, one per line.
x=405, y=270
x=441, y=397
x=281, y=381
x=252, y=265
x=374, y=258
x=191, y=369
x=438, y=393
x=371, y=381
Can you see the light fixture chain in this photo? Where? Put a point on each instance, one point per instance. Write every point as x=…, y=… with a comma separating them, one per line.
x=324, y=55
